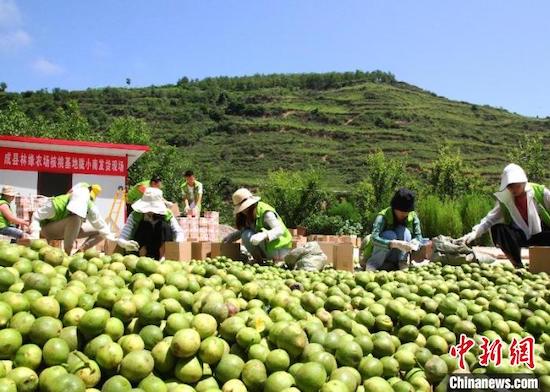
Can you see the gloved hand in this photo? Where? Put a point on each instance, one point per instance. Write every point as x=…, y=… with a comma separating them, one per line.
x=468, y=238
x=111, y=237
x=130, y=246
x=258, y=237
x=403, y=246
x=168, y=204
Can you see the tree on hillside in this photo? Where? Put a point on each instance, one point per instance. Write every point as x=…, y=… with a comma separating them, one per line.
x=530, y=155
x=128, y=82
x=3, y=87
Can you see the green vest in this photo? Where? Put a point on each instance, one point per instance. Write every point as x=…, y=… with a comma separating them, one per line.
x=186, y=194
x=284, y=241
x=4, y=222
x=60, y=207
x=387, y=213
x=134, y=194
x=138, y=217
x=538, y=193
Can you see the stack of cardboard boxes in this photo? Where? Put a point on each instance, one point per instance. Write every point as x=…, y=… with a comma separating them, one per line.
x=202, y=229
x=341, y=251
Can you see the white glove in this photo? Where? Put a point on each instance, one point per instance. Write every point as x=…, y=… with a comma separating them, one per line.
x=403, y=246
x=168, y=204
x=415, y=244
x=468, y=238
x=258, y=237
x=130, y=246
x=111, y=237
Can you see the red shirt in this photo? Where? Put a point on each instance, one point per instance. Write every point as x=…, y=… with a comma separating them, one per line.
x=521, y=205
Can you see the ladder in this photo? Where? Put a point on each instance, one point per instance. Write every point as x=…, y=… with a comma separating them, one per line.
x=118, y=205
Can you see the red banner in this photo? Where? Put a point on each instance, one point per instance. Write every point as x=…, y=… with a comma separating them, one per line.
x=61, y=162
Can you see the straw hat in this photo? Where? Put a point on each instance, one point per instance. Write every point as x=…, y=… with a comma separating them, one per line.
x=242, y=199
x=8, y=190
x=151, y=201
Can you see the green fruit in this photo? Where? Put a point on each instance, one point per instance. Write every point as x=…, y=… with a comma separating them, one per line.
x=278, y=381
x=229, y=367
x=151, y=335
x=55, y=351
x=390, y=367
x=349, y=376
x=117, y=384
x=25, y=379
x=435, y=369
x=109, y=356
x=205, y=325
x=349, y=354
x=277, y=360
x=28, y=355
x=185, y=343
x=7, y=385
x=377, y=384
x=311, y=377
x=406, y=359
x=188, y=370
x=10, y=341
x=137, y=365
x=48, y=378
x=254, y=375
x=437, y=345
x=370, y=367
x=70, y=383
x=246, y=337
x=211, y=350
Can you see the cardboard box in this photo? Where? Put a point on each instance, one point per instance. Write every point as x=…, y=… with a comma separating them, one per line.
x=178, y=251
x=344, y=257
x=329, y=249
x=200, y=250
x=539, y=259
x=24, y=241
x=110, y=247
x=348, y=239
x=424, y=253
x=294, y=232
x=231, y=250
x=302, y=231
x=298, y=241
x=175, y=209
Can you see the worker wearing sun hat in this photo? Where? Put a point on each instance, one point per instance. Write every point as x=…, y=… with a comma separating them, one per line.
x=521, y=217
x=261, y=229
x=149, y=226
x=8, y=219
x=70, y=216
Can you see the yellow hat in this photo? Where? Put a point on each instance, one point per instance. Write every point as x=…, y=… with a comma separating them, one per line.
x=96, y=190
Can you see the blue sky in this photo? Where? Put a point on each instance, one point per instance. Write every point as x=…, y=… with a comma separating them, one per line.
x=487, y=52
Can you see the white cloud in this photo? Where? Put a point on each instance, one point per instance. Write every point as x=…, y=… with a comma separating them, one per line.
x=12, y=35
x=14, y=39
x=45, y=67
x=9, y=14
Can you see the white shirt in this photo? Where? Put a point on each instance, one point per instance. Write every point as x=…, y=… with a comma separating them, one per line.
x=534, y=225
x=47, y=211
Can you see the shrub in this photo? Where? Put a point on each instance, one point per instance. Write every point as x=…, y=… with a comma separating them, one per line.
x=439, y=217
x=295, y=195
x=323, y=224
x=346, y=210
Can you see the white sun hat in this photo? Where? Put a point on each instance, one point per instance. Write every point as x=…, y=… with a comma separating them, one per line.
x=151, y=201
x=78, y=202
x=512, y=174
x=242, y=199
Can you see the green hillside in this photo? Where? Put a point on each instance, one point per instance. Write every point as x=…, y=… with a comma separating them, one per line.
x=249, y=125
